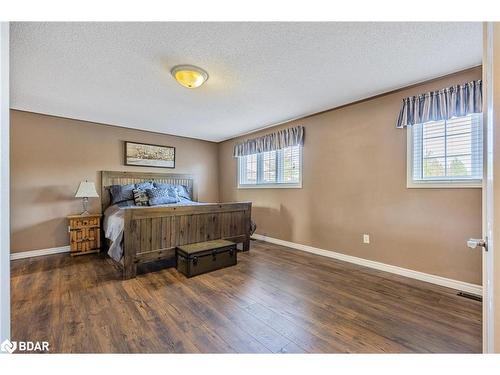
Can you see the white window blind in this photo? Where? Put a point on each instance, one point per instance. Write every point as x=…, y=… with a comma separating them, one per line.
x=281, y=168
x=446, y=152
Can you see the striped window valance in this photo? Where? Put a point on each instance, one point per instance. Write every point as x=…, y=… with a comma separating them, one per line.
x=270, y=142
x=454, y=101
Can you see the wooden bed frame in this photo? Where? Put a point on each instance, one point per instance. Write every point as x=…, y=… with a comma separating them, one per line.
x=153, y=233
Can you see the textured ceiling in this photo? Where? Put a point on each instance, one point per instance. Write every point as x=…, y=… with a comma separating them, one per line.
x=260, y=73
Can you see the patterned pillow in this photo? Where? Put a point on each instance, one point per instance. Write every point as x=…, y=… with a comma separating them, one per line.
x=144, y=185
x=140, y=197
x=162, y=185
x=182, y=191
x=162, y=196
x=120, y=193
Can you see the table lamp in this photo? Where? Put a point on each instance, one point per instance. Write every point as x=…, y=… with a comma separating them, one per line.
x=86, y=190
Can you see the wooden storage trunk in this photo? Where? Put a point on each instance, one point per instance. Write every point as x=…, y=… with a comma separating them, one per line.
x=202, y=257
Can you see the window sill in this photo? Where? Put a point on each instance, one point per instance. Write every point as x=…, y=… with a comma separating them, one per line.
x=474, y=184
x=271, y=186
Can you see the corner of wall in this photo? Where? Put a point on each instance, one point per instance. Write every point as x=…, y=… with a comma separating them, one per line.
x=220, y=183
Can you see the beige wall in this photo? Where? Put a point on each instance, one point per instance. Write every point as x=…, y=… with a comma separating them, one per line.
x=50, y=156
x=354, y=182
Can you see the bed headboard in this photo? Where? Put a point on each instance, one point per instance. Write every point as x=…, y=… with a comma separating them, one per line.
x=109, y=178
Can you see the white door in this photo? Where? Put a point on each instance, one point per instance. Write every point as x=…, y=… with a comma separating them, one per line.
x=4, y=184
x=488, y=312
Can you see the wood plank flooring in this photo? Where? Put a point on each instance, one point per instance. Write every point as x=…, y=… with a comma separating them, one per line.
x=276, y=300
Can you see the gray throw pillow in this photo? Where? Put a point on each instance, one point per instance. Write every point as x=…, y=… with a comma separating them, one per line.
x=120, y=193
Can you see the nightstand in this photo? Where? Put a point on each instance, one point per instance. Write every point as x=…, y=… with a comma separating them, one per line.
x=84, y=234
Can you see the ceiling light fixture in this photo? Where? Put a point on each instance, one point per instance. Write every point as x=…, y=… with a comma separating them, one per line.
x=189, y=76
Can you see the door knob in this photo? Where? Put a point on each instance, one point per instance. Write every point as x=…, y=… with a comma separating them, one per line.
x=475, y=242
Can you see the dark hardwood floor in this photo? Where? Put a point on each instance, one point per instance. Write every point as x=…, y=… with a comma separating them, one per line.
x=275, y=300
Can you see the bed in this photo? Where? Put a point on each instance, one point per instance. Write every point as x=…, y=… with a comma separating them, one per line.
x=143, y=234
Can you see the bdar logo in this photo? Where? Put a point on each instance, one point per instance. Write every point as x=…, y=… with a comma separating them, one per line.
x=8, y=346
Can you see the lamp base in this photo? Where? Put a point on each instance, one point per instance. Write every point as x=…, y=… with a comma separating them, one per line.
x=85, y=203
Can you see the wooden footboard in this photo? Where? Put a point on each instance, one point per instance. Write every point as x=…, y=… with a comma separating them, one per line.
x=153, y=233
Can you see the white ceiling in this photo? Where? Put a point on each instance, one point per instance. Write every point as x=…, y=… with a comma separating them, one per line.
x=260, y=73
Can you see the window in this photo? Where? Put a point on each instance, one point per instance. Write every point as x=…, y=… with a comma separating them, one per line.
x=446, y=153
x=281, y=168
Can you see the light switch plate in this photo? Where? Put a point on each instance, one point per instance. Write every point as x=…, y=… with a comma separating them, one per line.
x=366, y=238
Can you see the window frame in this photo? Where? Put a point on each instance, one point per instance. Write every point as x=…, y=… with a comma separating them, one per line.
x=436, y=183
x=271, y=185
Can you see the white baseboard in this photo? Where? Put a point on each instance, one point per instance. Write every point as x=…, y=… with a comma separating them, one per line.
x=443, y=281
x=40, y=252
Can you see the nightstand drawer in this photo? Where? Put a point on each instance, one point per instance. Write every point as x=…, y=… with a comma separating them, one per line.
x=75, y=223
x=85, y=239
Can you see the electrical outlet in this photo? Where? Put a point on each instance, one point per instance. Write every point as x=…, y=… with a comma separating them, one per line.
x=366, y=238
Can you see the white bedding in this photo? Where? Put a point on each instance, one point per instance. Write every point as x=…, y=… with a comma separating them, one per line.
x=113, y=230
x=114, y=223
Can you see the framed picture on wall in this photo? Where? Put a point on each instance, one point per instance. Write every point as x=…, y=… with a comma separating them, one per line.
x=147, y=155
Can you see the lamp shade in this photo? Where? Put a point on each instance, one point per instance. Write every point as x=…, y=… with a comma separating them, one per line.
x=86, y=190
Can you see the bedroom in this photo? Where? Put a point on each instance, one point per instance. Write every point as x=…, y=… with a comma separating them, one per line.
x=174, y=190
